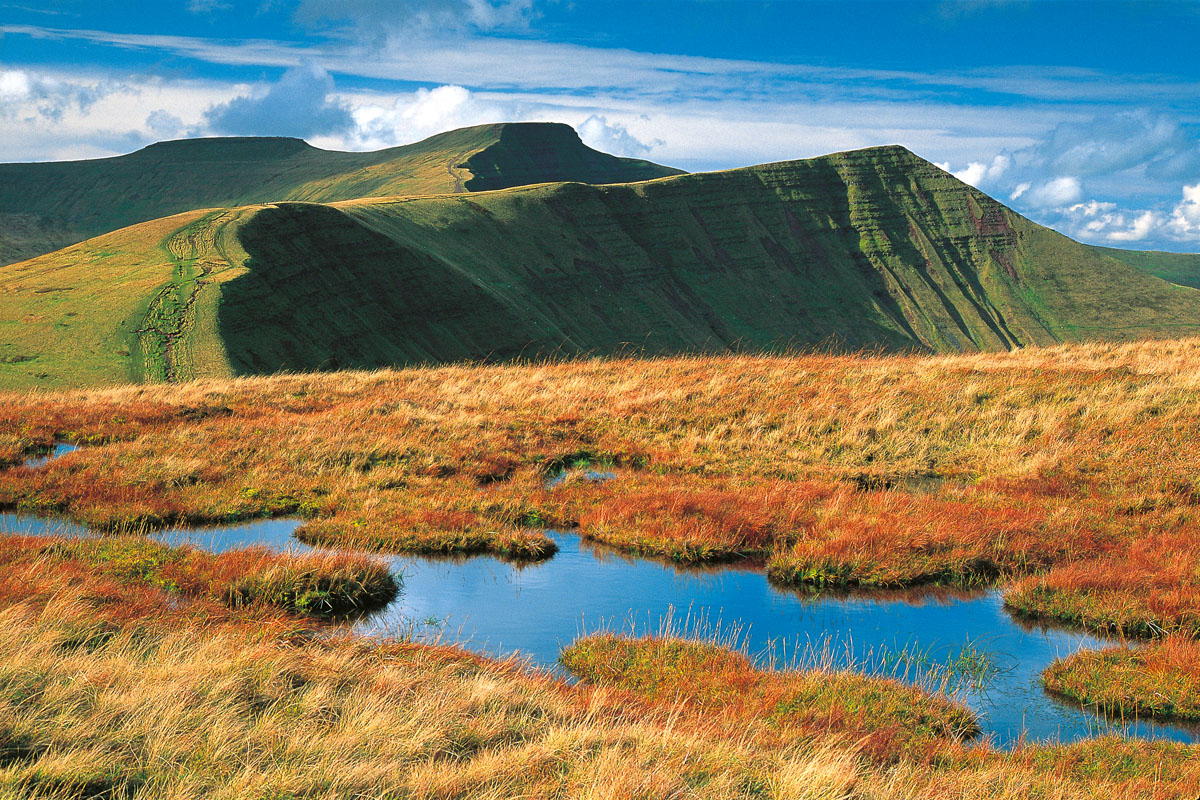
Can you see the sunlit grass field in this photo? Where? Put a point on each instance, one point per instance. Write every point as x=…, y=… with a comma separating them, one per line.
x=1066, y=475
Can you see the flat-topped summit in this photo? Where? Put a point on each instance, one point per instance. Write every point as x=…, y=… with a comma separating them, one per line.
x=875, y=248
x=224, y=149
x=45, y=206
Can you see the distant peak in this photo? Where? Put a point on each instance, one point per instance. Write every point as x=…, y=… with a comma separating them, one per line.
x=891, y=151
x=226, y=147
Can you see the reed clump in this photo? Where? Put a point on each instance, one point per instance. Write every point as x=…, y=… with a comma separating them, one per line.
x=1158, y=680
x=886, y=717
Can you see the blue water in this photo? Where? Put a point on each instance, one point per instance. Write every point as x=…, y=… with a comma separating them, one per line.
x=60, y=449
x=499, y=608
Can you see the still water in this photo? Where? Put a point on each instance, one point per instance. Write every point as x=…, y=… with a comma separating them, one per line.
x=499, y=608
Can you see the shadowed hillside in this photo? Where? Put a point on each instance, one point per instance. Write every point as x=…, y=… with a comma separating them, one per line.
x=44, y=207
x=866, y=249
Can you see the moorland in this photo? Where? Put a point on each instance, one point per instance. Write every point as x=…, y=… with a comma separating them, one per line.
x=854, y=373
x=1046, y=470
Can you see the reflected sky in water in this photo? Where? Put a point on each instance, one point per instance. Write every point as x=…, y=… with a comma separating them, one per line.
x=498, y=608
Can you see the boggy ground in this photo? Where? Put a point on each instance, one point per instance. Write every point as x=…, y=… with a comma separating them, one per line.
x=1069, y=472
x=114, y=686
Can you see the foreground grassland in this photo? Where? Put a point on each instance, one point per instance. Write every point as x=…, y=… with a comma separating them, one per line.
x=130, y=669
x=109, y=690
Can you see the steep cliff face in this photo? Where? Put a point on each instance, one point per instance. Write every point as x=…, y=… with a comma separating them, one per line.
x=874, y=248
x=868, y=249
x=44, y=207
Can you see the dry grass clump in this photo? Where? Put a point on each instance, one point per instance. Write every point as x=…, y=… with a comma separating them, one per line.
x=1160, y=679
x=697, y=520
x=405, y=527
x=322, y=584
x=885, y=717
x=1148, y=589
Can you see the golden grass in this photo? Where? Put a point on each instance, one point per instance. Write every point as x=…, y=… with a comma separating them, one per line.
x=839, y=469
x=107, y=691
x=1160, y=679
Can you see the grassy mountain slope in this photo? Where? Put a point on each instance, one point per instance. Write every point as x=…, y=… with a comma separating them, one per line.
x=1180, y=268
x=44, y=207
x=872, y=248
x=138, y=304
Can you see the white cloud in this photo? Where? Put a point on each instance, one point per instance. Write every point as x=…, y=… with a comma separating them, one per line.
x=14, y=85
x=1184, y=223
x=612, y=137
x=36, y=95
x=1103, y=222
x=1141, y=227
x=1059, y=191
x=1020, y=189
x=116, y=120
x=300, y=104
x=416, y=115
x=977, y=173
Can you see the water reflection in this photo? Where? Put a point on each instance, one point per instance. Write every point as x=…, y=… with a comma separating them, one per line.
x=497, y=607
x=57, y=451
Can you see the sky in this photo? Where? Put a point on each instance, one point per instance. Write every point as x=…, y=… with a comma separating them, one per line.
x=1084, y=116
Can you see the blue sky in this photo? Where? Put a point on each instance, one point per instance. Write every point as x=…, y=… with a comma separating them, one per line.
x=1083, y=116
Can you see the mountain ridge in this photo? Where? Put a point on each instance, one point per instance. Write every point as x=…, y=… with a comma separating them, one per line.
x=874, y=248
x=45, y=206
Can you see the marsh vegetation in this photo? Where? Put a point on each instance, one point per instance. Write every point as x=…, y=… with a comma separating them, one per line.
x=1065, y=476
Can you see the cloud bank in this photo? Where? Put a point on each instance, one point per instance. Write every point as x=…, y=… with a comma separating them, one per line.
x=301, y=104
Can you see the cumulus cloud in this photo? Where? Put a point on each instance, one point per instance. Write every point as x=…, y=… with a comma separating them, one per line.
x=1184, y=223
x=1055, y=192
x=415, y=115
x=977, y=172
x=300, y=104
x=32, y=95
x=613, y=137
x=1103, y=222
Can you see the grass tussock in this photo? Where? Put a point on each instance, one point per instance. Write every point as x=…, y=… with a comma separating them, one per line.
x=430, y=532
x=885, y=717
x=320, y=584
x=1160, y=679
x=1148, y=590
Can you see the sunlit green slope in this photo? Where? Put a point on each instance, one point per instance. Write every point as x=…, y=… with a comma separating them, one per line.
x=46, y=206
x=871, y=248
x=1180, y=268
